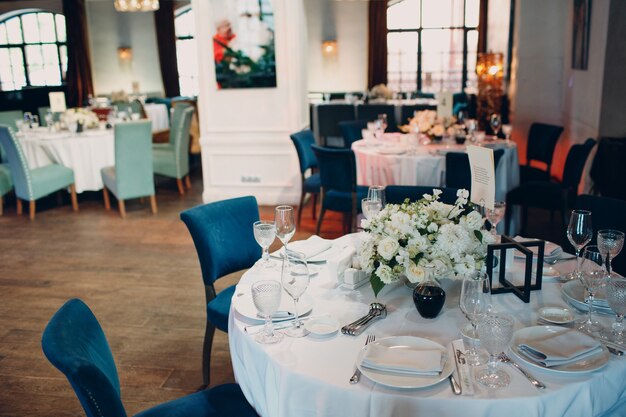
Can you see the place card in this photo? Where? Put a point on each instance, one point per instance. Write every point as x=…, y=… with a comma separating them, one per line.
x=57, y=102
x=483, y=172
x=444, y=104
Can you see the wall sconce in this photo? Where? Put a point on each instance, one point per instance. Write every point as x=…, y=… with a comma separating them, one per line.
x=329, y=48
x=125, y=53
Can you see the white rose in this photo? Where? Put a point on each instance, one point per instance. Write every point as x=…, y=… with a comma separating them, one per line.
x=415, y=273
x=474, y=221
x=388, y=247
x=385, y=274
x=432, y=228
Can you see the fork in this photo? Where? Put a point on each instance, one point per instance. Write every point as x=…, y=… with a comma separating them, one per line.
x=357, y=374
x=504, y=358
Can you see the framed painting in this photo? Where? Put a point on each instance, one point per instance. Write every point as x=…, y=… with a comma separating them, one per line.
x=580, y=39
x=243, y=44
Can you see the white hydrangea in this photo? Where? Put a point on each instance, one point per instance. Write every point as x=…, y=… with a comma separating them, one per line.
x=388, y=247
x=385, y=274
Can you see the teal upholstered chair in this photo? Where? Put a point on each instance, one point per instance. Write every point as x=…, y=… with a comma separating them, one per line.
x=132, y=175
x=6, y=183
x=172, y=159
x=8, y=118
x=32, y=184
x=76, y=345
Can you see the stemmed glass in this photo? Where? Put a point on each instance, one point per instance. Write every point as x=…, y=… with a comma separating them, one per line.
x=377, y=193
x=579, y=233
x=592, y=277
x=295, y=279
x=266, y=299
x=371, y=207
x=264, y=234
x=507, y=130
x=475, y=303
x=471, y=125
x=496, y=123
x=496, y=332
x=610, y=243
x=382, y=121
x=616, y=296
x=494, y=216
x=285, y=224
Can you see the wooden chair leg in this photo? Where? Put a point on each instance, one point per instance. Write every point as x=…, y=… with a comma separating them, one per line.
x=20, y=208
x=181, y=189
x=107, y=200
x=188, y=181
x=122, y=207
x=314, y=205
x=31, y=210
x=1, y=204
x=319, y=221
x=153, y=204
x=206, y=353
x=302, y=194
x=74, y=198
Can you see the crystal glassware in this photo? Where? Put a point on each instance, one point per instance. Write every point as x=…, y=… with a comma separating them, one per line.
x=592, y=277
x=616, y=296
x=266, y=298
x=579, y=233
x=495, y=332
x=264, y=234
x=377, y=193
x=496, y=123
x=285, y=224
x=507, y=130
x=494, y=216
x=475, y=303
x=371, y=207
x=382, y=120
x=610, y=244
x=295, y=279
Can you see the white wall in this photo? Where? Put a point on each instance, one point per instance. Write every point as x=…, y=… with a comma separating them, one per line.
x=347, y=23
x=109, y=30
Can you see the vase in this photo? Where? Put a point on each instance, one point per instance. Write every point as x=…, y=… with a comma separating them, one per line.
x=429, y=299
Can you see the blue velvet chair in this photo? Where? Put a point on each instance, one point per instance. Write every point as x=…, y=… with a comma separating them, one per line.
x=396, y=194
x=224, y=238
x=172, y=159
x=542, y=140
x=339, y=190
x=310, y=185
x=74, y=342
x=351, y=131
x=32, y=184
x=6, y=183
x=328, y=118
x=458, y=171
x=8, y=119
x=132, y=176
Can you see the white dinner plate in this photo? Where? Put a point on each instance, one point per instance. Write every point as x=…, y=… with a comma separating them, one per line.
x=574, y=294
x=407, y=381
x=322, y=326
x=556, y=315
x=584, y=366
x=242, y=301
x=391, y=151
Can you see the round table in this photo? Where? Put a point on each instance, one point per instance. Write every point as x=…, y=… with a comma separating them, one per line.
x=309, y=376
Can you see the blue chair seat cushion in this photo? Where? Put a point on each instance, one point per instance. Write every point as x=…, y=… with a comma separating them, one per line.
x=222, y=401
x=164, y=161
x=531, y=174
x=312, y=184
x=217, y=309
x=50, y=178
x=6, y=183
x=342, y=200
x=540, y=194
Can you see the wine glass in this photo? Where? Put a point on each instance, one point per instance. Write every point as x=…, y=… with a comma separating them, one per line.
x=495, y=332
x=377, y=193
x=49, y=120
x=266, y=298
x=610, y=243
x=382, y=120
x=507, y=130
x=579, y=233
x=285, y=224
x=592, y=277
x=295, y=279
x=264, y=234
x=616, y=296
x=34, y=121
x=475, y=302
x=496, y=123
x=462, y=116
x=471, y=125
x=371, y=207
x=494, y=216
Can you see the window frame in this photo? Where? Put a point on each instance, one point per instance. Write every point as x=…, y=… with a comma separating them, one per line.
x=178, y=13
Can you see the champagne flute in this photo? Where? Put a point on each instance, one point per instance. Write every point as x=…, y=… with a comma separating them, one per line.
x=295, y=279
x=475, y=303
x=285, y=224
x=592, y=277
x=496, y=332
x=610, y=243
x=266, y=299
x=616, y=296
x=579, y=233
x=494, y=216
x=377, y=193
x=264, y=234
x=496, y=123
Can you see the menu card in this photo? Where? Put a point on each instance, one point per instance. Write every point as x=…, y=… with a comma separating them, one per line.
x=483, y=176
x=444, y=104
x=57, y=102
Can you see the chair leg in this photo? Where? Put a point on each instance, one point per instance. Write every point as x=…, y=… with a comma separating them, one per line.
x=181, y=189
x=107, y=200
x=188, y=182
x=206, y=353
x=302, y=194
x=74, y=198
x=153, y=204
x=31, y=210
x=20, y=208
x=122, y=207
x=1, y=204
x=507, y=219
x=314, y=205
x=319, y=220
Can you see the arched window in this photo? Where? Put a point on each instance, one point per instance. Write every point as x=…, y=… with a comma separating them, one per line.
x=186, y=51
x=432, y=44
x=33, y=49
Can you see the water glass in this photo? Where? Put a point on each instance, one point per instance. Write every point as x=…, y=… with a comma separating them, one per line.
x=610, y=243
x=494, y=216
x=34, y=122
x=592, y=277
x=266, y=298
x=264, y=234
x=295, y=280
x=377, y=193
x=579, y=233
x=507, y=130
x=495, y=332
x=382, y=121
x=475, y=303
x=285, y=224
x=496, y=123
x=371, y=207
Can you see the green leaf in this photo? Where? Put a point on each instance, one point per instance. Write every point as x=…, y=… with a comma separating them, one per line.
x=376, y=283
x=478, y=235
x=417, y=258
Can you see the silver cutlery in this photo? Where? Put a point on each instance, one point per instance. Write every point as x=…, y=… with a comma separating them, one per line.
x=456, y=388
x=377, y=311
x=357, y=374
x=504, y=358
x=552, y=261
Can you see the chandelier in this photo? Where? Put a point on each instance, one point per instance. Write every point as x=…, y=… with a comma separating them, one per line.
x=136, y=5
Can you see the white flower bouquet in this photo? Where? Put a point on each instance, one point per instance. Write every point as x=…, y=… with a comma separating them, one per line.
x=85, y=117
x=405, y=238
x=428, y=123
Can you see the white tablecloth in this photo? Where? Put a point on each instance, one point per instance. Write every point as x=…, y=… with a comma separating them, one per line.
x=309, y=376
x=157, y=113
x=86, y=153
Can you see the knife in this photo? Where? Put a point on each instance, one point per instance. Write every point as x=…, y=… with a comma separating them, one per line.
x=462, y=369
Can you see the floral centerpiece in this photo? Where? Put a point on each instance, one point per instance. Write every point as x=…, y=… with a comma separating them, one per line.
x=381, y=92
x=428, y=123
x=81, y=116
x=405, y=238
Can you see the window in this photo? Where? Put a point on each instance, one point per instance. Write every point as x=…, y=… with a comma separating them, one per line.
x=33, y=50
x=186, y=52
x=431, y=44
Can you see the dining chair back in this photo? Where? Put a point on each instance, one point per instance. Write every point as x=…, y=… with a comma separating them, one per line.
x=74, y=342
x=8, y=119
x=302, y=141
x=370, y=113
x=6, y=183
x=575, y=164
x=223, y=235
x=43, y=111
x=607, y=171
x=396, y=194
x=17, y=164
x=458, y=171
x=328, y=118
x=542, y=140
x=351, y=130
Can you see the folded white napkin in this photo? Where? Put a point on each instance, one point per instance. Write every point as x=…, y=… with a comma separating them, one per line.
x=561, y=348
x=311, y=246
x=550, y=250
x=402, y=360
